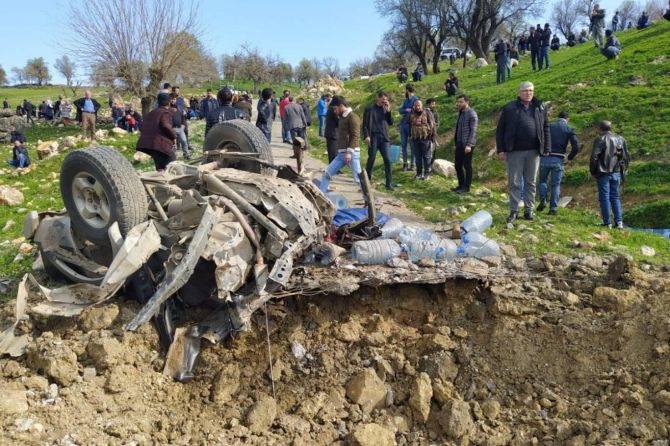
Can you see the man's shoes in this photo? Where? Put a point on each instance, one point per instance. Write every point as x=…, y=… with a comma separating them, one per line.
x=606, y=225
x=419, y=177
x=456, y=189
x=425, y=177
x=619, y=225
x=528, y=216
x=541, y=206
x=404, y=167
x=553, y=212
x=512, y=217
x=389, y=187
x=463, y=191
x=187, y=157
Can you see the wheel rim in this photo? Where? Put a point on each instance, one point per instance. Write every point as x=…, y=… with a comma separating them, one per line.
x=91, y=200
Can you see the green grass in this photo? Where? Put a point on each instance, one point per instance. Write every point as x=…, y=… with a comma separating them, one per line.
x=579, y=81
x=633, y=92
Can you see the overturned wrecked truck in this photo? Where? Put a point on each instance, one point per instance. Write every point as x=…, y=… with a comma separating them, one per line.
x=224, y=234
x=201, y=247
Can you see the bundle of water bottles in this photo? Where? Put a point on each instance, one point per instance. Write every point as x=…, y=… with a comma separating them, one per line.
x=419, y=244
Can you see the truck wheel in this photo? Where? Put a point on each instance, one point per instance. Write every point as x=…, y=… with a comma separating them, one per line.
x=100, y=187
x=238, y=135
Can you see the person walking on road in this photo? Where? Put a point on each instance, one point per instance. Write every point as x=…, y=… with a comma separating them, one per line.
x=522, y=135
x=376, y=119
x=552, y=163
x=348, y=143
x=465, y=139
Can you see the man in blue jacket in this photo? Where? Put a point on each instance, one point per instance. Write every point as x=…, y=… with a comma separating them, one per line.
x=522, y=135
x=322, y=110
x=552, y=163
x=405, y=111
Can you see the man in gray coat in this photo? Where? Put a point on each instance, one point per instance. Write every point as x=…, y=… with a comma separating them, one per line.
x=465, y=139
x=296, y=122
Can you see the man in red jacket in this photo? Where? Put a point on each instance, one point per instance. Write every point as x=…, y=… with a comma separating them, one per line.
x=158, y=139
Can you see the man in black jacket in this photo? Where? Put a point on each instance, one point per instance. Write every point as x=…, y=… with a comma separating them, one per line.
x=545, y=42
x=608, y=165
x=534, y=43
x=225, y=112
x=465, y=139
x=376, y=119
x=522, y=135
x=331, y=133
x=266, y=113
x=552, y=162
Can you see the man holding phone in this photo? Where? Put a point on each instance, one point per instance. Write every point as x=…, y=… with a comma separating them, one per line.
x=376, y=119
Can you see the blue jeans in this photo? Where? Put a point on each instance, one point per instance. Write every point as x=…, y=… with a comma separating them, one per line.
x=182, y=141
x=379, y=141
x=543, y=57
x=608, y=194
x=285, y=131
x=500, y=71
x=550, y=165
x=21, y=162
x=610, y=52
x=337, y=164
x=404, y=140
x=322, y=124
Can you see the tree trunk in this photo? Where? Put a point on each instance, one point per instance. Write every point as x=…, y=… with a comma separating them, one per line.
x=436, y=59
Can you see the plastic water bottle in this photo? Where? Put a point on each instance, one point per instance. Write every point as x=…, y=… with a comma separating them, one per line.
x=480, y=221
x=338, y=200
x=408, y=234
x=392, y=228
x=435, y=248
x=477, y=245
x=375, y=252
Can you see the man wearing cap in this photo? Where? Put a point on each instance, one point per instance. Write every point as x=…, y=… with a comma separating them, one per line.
x=552, y=163
x=348, y=149
x=522, y=135
x=158, y=138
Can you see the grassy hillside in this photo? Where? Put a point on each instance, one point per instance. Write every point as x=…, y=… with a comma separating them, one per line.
x=633, y=92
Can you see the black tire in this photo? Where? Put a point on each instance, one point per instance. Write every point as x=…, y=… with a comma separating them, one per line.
x=239, y=135
x=100, y=187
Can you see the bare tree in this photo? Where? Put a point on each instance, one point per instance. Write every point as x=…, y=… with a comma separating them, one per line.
x=231, y=65
x=3, y=76
x=391, y=52
x=330, y=67
x=361, y=67
x=280, y=71
x=255, y=66
x=38, y=70
x=565, y=17
x=477, y=21
x=655, y=9
x=19, y=75
x=305, y=72
x=628, y=12
x=149, y=34
x=405, y=18
x=195, y=65
x=66, y=67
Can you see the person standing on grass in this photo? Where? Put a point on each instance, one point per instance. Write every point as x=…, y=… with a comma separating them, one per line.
x=552, y=163
x=405, y=111
x=376, y=121
x=597, y=25
x=348, y=143
x=157, y=138
x=322, y=111
x=330, y=132
x=608, y=166
x=87, y=108
x=465, y=139
x=179, y=126
x=522, y=135
x=421, y=135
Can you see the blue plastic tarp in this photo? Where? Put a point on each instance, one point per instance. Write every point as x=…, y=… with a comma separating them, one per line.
x=664, y=232
x=353, y=215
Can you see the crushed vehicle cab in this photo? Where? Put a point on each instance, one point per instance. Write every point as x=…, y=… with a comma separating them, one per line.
x=224, y=234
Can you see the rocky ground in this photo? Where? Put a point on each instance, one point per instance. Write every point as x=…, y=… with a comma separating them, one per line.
x=559, y=351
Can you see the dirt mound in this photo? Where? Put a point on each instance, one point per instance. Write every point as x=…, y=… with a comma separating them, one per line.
x=563, y=352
